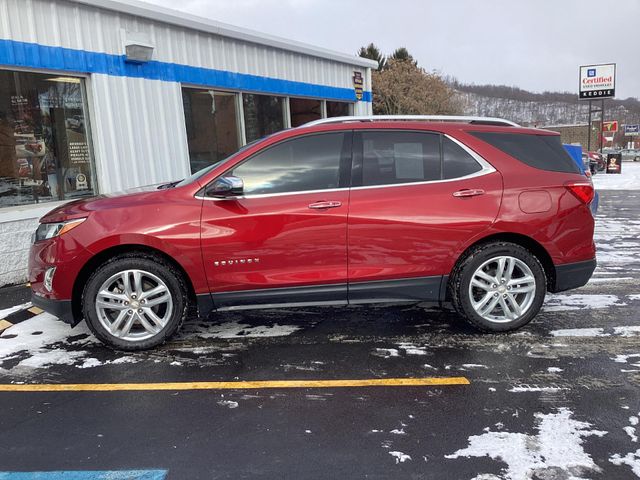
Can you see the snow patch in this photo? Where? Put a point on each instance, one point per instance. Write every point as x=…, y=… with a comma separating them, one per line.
x=400, y=457
x=631, y=459
x=228, y=403
x=560, y=303
x=17, y=308
x=628, y=179
x=621, y=331
x=554, y=370
x=557, y=445
x=242, y=330
x=535, y=388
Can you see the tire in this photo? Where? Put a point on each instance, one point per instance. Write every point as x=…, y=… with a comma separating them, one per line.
x=485, y=257
x=151, y=317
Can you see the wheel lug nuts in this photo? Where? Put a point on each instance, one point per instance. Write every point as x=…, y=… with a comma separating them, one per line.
x=130, y=312
x=143, y=301
x=139, y=310
x=126, y=303
x=493, y=286
x=504, y=296
x=495, y=294
x=133, y=296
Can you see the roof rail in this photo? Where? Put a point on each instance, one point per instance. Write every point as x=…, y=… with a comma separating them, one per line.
x=429, y=118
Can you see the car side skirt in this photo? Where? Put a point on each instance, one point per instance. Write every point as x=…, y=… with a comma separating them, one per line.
x=411, y=290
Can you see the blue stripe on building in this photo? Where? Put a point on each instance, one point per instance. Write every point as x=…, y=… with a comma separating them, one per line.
x=87, y=475
x=34, y=55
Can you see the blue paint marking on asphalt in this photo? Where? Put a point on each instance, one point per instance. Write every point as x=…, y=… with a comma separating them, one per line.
x=87, y=475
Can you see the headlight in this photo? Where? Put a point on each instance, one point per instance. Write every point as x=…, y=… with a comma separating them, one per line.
x=50, y=230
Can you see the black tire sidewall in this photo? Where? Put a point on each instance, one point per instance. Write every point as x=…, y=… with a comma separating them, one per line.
x=153, y=265
x=471, y=264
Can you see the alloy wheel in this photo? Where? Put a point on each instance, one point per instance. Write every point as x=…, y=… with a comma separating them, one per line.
x=502, y=289
x=134, y=305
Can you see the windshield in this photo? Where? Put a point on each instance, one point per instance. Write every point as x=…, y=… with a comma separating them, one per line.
x=200, y=173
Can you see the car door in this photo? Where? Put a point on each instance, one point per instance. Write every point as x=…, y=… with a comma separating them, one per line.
x=283, y=241
x=417, y=198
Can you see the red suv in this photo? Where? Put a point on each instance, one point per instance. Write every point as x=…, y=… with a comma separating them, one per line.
x=479, y=212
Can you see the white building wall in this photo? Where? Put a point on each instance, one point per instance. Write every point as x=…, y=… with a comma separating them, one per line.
x=138, y=132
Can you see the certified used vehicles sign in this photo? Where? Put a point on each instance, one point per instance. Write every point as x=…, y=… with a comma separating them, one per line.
x=598, y=81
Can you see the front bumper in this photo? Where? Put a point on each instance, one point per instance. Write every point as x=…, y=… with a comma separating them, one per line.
x=573, y=275
x=58, y=308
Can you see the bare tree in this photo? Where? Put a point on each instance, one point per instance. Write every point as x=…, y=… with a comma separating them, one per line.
x=405, y=89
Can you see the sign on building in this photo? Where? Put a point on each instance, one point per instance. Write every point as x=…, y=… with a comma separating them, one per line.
x=611, y=127
x=597, y=81
x=632, y=130
x=614, y=163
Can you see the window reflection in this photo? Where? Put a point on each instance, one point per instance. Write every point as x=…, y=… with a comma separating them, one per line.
x=212, y=129
x=263, y=115
x=307, y=163
x=44, y=150
x=304, y=110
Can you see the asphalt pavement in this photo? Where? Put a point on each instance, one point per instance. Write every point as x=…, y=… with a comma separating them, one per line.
x=557, y=400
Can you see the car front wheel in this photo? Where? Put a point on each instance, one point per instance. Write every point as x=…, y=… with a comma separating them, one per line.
x=498, y=286
x=135, y=302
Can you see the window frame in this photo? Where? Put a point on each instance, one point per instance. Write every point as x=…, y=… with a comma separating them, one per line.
x=358, y=158
x=344, y=168
x=88, y=111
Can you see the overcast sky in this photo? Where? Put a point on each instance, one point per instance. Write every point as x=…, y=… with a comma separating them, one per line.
x=532, y=44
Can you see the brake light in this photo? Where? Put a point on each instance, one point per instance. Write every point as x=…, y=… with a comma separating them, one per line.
x=581, y=190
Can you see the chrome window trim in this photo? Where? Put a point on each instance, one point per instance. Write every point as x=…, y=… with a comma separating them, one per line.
x=267, y=195
x=486, y=169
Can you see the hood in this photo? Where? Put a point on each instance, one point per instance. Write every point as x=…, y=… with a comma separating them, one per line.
x=84, y=207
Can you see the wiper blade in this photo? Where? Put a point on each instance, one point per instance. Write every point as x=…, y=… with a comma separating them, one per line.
x=168, y=185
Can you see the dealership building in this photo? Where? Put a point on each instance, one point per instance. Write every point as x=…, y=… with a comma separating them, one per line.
x=97, y=96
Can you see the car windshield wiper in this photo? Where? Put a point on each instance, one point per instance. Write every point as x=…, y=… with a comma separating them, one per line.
x=168, y=185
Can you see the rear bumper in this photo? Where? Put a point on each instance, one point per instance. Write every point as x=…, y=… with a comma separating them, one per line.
x=573, y=275
x=58, y=308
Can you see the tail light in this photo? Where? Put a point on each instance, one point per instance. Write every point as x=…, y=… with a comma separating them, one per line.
x=581, y=190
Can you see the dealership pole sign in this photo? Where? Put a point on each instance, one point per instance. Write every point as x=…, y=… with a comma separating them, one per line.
x=597, y=81
x=632, y=130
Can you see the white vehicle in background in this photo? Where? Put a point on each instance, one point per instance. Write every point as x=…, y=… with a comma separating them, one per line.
x=630, y=154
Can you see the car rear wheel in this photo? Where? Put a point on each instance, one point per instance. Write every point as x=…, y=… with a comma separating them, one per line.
x=498, y=286
x=135, y=302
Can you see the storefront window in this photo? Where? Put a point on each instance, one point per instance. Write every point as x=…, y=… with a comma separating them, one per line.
x=263, y=115
x=44, y=149
x=338, y=109
x=212, y=129
x=304, y=110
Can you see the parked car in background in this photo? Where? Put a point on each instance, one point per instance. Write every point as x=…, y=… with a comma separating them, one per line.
x=630, y=155
x=598, y=161
x=477, y=212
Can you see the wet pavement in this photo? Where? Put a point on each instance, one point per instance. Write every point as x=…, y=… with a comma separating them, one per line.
x=557, y=400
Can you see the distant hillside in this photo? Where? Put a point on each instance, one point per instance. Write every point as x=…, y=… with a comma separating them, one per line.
x=528, y=108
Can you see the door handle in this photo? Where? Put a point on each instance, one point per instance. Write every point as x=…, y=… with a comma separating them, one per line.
x=468, y=192
x=323, y=205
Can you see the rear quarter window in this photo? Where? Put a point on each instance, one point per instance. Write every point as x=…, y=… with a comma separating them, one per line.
x=544, y=152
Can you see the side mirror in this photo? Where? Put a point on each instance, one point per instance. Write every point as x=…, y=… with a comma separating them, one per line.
x=228, y=186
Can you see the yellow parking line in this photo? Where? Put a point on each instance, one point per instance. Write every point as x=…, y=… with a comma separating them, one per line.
x=35, y=310
x=4, y=325
x=259, y=384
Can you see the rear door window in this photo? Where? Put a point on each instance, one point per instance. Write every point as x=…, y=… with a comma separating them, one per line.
x=544, y=152
x=396, y=157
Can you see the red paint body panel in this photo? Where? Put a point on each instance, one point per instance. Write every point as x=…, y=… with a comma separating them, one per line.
x=295, y=245
x=416, y=230
x=377, y=233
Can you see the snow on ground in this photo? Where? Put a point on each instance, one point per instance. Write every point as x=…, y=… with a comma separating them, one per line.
x=629, y=179
x=236, y=329
x=36, y=336
x=558, y=445
x=17, y=308
x=565, y=302
x=620, y=331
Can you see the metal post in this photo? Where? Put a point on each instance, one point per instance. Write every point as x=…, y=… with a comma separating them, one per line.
x=601, y=126
x=589, y=129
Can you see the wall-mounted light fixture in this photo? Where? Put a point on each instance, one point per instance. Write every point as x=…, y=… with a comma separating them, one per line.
x=138, y=52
